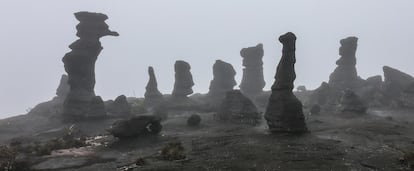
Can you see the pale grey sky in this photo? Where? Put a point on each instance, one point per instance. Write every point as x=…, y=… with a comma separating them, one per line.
x=36, y=34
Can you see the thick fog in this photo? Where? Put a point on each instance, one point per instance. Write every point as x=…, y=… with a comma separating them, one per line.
x=35, y=35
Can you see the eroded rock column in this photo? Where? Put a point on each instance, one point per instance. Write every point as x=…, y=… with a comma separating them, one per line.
x=284, y=111
x=81, y=102
x=183, y=85
x=252, y=82
x=345, y=75
x=152, y=95
x=223, y=79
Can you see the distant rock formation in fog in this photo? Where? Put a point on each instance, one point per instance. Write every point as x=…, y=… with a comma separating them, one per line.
x=284, y=111
x=223, y=79
x=63, y=89
x=136, y=126
x=345, y=75
x=119, y=107
x=153, y=96
x=237, y=108
x=252, y=83
x=81, y=102
x=395, y=81
x=183, y=80
x=398, y=88
x=351, y=102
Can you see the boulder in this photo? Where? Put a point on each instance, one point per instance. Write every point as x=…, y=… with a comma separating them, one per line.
x=120, y=107
x=194, y=120
x=136, y=126
x=350, y=102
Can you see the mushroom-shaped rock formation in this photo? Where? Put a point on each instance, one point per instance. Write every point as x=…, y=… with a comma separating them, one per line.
x=284, y=111
x=223, y=79
x=136, y=126
x=81, y=102
x=153, y=96
x=252, y=83
x=345, y=75
x=183, y=80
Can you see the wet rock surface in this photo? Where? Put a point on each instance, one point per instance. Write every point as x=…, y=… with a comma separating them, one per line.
x=284, y=111
x=81, y=102
x=252, y=82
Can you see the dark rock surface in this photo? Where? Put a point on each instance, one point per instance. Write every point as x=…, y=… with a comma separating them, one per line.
x=284, y=111
x=81, y=102
x=63, y=90
x=120, y=107
x=153, y=96
x=238, y=108
x=395, y=92
x=395, y=81
x=252, y=82
x=345, y=75
x=316, y=109
x=223, y=79
x=350, y=102
x=183, y=80
x=136, y=126
x=374, y=81
x=326, y=96
x=194, y=120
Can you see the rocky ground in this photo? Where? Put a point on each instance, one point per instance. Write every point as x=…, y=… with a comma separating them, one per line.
x=379, y=140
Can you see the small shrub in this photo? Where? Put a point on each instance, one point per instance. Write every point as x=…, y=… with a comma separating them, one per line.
x=173, y=151
x=7, y=158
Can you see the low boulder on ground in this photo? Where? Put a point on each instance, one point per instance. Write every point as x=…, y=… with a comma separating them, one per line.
x=136, y=126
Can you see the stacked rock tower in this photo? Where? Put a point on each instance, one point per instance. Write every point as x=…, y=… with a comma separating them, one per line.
x=81, y=101
x=345, y=75
x=284, y=111
x=252, y=82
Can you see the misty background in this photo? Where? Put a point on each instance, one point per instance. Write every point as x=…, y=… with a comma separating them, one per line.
x=35, y=35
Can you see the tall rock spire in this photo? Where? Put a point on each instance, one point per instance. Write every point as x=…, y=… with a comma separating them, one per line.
x=81, y=102
x=284, y=111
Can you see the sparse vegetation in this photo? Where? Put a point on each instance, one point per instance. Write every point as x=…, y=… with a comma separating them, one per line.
x=45, y=148
x=173, y=151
